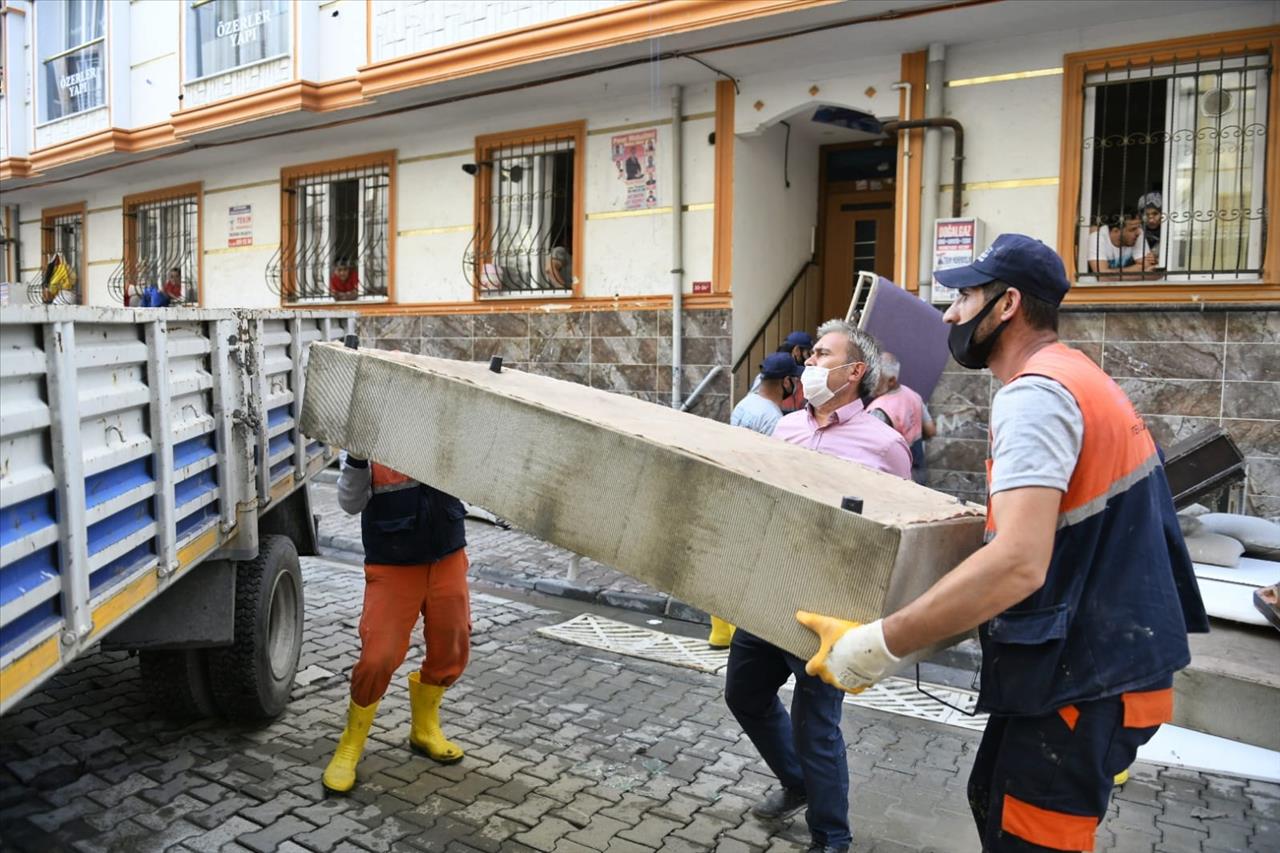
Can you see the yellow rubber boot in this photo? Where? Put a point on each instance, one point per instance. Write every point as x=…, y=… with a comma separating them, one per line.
x=425, y=736
x=721, y=633
x=1122, y=777
x=340, y=775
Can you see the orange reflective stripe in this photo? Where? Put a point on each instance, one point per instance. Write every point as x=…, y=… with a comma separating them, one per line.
x=384, y=476
x=1148, y=708
x=1055, y=830
x=1069, y=715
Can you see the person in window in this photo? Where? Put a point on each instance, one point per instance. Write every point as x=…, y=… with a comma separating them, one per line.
x=559, y=268
x=1121, y=251
x=1152, y=207
x=344, y=281
x=172, y=287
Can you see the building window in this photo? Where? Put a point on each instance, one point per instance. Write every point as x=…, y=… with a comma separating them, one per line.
x=59, y=281
x=529, y=206
x=70, y=37
x=161, y=264
x=223, y=35
x=335, y=245
x=1173, y=160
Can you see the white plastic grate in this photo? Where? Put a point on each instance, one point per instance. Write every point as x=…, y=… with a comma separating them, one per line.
x=893, y=695
x=587, y=629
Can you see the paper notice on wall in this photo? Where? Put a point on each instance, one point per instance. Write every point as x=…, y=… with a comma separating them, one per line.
x=955, y=244
x=240, y=225
x=635, y=156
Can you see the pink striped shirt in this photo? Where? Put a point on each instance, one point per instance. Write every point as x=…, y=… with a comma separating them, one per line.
x=851, y=434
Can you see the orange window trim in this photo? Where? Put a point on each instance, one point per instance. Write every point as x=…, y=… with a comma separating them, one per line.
x=722, y=215
x=576, y=131
x=130, y=202
x=1055, y=830
x=1075, y=67
x=289, y=177
x=47, y=240
x=655, y=302
x=913, y=67
x=1148, y=708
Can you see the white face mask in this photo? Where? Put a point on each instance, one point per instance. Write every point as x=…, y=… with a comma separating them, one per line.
x=814, y=382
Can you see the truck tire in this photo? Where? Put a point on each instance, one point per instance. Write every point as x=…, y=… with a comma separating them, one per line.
x=251, y=679
x=177, y=682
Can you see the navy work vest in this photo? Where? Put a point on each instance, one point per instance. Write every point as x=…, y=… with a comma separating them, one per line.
x=407, y=522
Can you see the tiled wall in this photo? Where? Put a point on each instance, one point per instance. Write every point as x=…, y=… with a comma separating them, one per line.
x=1182, y=369
x=628, y=352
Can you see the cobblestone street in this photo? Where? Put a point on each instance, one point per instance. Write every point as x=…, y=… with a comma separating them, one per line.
x=568, y=749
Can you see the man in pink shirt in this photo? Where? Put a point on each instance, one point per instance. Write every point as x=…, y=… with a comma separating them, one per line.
x=805, y=748
x=903, y=409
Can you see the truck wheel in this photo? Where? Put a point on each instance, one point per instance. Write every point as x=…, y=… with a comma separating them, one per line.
x=177, y=682
x=252, y=677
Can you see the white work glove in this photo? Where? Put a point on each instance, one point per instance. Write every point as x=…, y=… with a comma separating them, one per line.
x=850, y=656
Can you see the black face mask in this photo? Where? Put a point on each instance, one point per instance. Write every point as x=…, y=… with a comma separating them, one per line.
x=964, y=349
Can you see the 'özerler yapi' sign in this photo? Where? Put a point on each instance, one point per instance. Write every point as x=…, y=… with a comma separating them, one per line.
x=224, y=35
x=245, y=28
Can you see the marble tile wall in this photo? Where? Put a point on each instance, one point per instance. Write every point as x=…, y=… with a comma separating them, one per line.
x=627, y=352
x=1183, y=370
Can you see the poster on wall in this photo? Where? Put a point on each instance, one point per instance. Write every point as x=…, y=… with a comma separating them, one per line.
x=955, y=244
x=635, y=156
x=239, y=225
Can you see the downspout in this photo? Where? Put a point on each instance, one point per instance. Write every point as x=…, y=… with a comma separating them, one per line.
x=677, y=244
x=933, y=108
x=957, y=159
x=904, y=178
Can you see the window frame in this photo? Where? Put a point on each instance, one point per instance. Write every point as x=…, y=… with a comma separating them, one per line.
x=289, y=174
x=131, y=202
x=575, y=131
x=1076, y=67
x=48, y=242
x=189, y=10
x=39, y=61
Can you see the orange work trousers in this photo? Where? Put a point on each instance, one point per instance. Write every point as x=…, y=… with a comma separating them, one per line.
x=394, y=597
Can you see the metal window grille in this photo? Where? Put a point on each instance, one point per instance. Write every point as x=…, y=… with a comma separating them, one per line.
x=162, y=241
x=62, y=235
x=334, y=245
x=1172, y=170
x=524, y=241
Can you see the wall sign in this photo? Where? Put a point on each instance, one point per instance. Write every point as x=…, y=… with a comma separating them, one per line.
x=955, y=244
x=239, y=225
x=635, y=156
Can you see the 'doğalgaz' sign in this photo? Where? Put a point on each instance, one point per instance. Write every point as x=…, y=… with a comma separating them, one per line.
x=223, y=35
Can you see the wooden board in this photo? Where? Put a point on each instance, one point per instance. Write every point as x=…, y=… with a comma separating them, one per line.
x=738, y=524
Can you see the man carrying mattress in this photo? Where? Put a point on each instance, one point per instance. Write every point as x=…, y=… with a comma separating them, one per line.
x=1084, y=592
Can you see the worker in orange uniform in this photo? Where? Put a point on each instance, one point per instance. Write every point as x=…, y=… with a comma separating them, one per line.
x=1084, y=592
x=415, y=564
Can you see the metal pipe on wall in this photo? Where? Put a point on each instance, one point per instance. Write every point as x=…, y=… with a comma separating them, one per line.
x=933, y=108
x=904, y=180
x=677, y=243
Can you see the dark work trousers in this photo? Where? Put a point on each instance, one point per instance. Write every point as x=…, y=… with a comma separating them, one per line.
x=1042, y=783
x=805, y=749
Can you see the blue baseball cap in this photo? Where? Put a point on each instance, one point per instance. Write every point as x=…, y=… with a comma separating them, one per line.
x=780, y=365
x=1017, y=260
x=799, y=339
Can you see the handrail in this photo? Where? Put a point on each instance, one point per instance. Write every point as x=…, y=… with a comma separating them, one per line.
x=786, y=294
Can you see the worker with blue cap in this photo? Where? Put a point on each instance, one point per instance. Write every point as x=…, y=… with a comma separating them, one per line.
x=1083, y=593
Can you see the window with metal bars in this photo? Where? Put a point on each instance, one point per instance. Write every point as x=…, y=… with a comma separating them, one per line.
x=525, y=239
x=336, y=234
x=161, y=264
x=1173, y=164
x=61, y=275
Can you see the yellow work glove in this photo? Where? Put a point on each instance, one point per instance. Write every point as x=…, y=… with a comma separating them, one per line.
x=850, y=655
